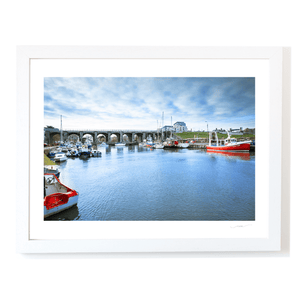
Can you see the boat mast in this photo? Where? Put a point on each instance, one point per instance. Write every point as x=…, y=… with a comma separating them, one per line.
x=171, y=127
x=162, y=124
x=61, y=128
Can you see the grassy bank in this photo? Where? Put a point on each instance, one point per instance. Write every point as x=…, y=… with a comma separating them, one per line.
x=48, y=161
x=204, y=135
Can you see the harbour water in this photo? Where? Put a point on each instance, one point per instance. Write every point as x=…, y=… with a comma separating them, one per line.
x=137, y=183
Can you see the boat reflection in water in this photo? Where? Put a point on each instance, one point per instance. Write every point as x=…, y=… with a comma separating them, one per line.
x=238, y=155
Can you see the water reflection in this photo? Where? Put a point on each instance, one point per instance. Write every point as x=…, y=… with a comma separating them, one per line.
x=69, y=214
x=237, y=155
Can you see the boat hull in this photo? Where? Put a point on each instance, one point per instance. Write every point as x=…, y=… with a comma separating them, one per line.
x=57, y=196
x=71, y=202
x=183, y=145
x=232, y=148
x=60, y=159
x=96, y=154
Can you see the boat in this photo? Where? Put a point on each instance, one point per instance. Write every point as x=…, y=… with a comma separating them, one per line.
x=159, y=146
x=64, y=149
x=96, y=153
x=73, y=153
x=183, y=145
x=230, y=144
x=52, y=153
x=57, y=196
x=170, y=144
x=103, y=144
x=60, y=156
x=120, y=144
x=85, y=153
x=52, y=169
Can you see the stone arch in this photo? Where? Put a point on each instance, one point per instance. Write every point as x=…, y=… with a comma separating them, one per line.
x=73, y=137
x=125, y=137
x=136, y=137
x=102, y=137
x=114, y=138
x=55, y=137
x=87, y=135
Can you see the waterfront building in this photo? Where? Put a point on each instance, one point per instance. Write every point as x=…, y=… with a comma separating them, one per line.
x=180, y=127
x=168, y=128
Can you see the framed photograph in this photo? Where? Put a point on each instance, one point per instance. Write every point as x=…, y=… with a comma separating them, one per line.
x=149, y=149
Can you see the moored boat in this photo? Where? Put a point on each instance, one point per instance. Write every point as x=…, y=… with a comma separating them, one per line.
x=96, y=153
x=120, y=144
x=74, y=152
x=230, y=144
x=57, y=196
x=159, y=146
x=60, y=156
x=85, y=153
x=171, y=144
x=52, y=153
x=184, y=145
x=52, y=169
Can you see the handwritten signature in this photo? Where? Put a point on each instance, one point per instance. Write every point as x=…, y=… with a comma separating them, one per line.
x=240, y=226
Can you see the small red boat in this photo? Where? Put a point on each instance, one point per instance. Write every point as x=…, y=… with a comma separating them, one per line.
x=57, y=196
x=229, y=144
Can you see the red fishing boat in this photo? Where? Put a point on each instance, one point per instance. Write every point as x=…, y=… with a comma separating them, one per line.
x=57, y=196
x=229, y=144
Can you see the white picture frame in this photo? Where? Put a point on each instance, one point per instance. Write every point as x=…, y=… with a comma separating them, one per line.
x=272, y=242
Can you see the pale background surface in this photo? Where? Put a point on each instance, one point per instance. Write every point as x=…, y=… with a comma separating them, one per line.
x=156, y=23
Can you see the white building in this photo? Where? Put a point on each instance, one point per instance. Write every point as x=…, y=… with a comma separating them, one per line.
x=180, y=127
x=168, y=128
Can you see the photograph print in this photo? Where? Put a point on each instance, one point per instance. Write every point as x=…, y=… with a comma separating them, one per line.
x=149, y=149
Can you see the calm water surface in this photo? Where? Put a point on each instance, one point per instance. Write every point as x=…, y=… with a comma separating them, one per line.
x=137, y=183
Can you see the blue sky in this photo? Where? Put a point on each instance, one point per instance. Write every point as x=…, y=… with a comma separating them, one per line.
x=138, y=102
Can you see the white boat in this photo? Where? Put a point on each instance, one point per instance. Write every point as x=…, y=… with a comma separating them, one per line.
x=74, y=153
x=85, y=153
x=96, y=153
x=120, y=144
x=64, y=149
x=103, y=145
x=57, y=196
x=60, y=157
x=183, y=145
x=52, y=169
x=52, y=153
x=159, y=146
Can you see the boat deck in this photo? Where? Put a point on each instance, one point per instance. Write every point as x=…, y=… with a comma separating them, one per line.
x=53, y=188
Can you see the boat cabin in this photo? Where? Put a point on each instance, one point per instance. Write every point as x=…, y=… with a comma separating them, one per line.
x=230, y=141
x=214, y=140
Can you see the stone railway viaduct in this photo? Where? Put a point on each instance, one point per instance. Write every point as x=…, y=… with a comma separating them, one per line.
x=133, y=135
